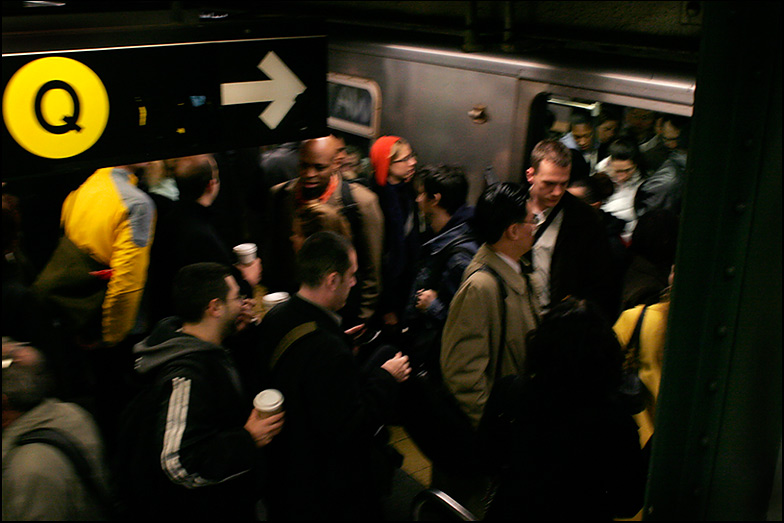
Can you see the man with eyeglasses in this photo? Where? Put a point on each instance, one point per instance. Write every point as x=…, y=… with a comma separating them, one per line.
x=189, y=439
x=485, y=331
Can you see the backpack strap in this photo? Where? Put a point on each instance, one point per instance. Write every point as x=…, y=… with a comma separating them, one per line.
x=502, y=292
x=633, y=356
x=550, y=218
x=76, y=455
x=292, y=336
x=350, y=209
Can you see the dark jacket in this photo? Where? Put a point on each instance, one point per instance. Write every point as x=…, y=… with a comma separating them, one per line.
x=440, y=266
x=581, y=264
x=664, y=189
x=184, y=236
x=560, y=459
x=183, y=452
x=324, y=464
x=401, y=244
x=619, y=256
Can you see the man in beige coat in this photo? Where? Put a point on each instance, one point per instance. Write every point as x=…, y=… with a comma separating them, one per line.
x=477, y=322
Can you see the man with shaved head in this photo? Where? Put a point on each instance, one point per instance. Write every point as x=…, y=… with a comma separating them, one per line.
x=320, y=181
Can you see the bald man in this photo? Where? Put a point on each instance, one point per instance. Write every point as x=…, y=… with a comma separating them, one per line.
x=320, y=181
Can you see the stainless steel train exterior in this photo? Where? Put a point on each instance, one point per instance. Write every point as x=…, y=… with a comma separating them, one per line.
x=428, y=95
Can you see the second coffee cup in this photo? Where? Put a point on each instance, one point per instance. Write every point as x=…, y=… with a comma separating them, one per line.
x=268, y=402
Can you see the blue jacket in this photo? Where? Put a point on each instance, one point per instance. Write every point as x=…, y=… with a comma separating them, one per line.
x=440, y=266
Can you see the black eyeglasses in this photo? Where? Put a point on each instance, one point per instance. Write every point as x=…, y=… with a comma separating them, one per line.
x=408, y=158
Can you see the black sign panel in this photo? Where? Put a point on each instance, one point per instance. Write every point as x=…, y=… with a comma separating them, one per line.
x=93, y=108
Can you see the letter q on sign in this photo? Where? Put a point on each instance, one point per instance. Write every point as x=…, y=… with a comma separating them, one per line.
x=55, y=107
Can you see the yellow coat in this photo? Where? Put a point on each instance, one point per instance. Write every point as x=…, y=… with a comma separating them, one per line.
x=652, y=336
x=110, y=219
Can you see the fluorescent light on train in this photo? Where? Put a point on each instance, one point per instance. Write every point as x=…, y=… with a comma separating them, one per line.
x=478, y=58
x=676, y=85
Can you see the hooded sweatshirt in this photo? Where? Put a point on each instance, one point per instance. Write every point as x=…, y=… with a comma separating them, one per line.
x=184, y=453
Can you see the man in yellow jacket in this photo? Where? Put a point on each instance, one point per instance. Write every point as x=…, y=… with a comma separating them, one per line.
x=98, y=270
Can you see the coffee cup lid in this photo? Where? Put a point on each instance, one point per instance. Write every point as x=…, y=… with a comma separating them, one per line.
x=245, y=248
x=267, y=400
x=275, y=297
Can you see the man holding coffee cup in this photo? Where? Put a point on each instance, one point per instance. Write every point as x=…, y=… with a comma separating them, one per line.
x=188, y=235
x=190, y=438
x=330, y=452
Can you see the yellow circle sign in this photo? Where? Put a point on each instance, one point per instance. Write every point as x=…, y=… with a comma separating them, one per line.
x=55, y=107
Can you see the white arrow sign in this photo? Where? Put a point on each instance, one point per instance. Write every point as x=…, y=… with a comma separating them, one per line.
x=281, y=89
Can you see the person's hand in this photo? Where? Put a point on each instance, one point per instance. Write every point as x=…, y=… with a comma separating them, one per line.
x=424, y=298
x=398, y=367
x=355, y=331
x=251, y=272
x=353, y=334
x=246, y=316
x=264, y=429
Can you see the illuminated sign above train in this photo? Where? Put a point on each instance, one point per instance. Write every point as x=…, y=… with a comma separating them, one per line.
x=89, y=108
x=281, y=89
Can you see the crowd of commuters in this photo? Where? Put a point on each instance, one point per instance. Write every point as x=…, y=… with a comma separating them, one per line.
x=145, y=318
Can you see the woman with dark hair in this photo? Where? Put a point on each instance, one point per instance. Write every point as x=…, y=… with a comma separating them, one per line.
x=563, y=446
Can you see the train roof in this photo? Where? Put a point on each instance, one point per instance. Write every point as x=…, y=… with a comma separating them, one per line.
x=648, y=79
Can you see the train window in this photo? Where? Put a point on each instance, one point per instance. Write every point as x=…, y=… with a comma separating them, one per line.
x=354, y=105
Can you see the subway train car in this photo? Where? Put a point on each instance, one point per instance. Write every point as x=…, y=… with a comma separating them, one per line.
x=718, y=449
x=486, y=111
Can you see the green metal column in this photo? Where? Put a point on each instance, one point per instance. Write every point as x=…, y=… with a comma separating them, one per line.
x=718, y=427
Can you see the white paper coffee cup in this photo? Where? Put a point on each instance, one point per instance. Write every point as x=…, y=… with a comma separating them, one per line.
x=245, y=252
x=272, y=299
x=268, y=402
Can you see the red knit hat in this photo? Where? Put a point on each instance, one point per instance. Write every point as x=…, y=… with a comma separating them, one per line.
x=380, y=157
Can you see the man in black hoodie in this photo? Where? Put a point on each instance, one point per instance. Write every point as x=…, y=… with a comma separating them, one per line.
x=190, y=438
